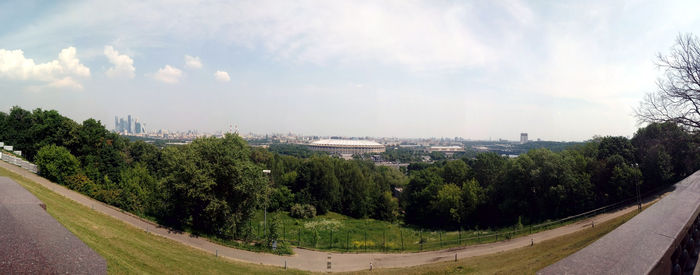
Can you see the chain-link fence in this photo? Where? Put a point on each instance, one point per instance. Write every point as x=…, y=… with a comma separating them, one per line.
x=373, y=237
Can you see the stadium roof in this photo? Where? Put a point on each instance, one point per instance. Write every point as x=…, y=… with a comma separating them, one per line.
x=345, y=142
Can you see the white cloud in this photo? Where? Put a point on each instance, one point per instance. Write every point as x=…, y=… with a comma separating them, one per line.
x=414, y=35
x=193, y=62
x=168, y=74
x=222, y=76
x=58, y=73
x=71, y=64
x=578, y=69
x=66, y=82
x=123, y=64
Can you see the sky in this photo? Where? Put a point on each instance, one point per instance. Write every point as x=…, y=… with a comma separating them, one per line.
x=558, y=70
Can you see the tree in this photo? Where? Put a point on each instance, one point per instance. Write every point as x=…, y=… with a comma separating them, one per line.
x=317, y=184
x=56, y=163
x=81, y=183
x=665, y=153
x=472, y=196
x=677, y=97
x=274, y=229
x=17, y=133
x=212, y=186
x=456, y=172
x=447, y=205
x=610, y=146
x=488, y=168
x=137, y=189
x=419, y=194
x=386, y=207
x=356, y=190
x=145, y=153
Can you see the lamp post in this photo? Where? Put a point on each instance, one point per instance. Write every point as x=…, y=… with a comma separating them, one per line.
x=639, y=197
x=266, y=172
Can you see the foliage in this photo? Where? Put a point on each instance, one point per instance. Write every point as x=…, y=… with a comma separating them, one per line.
x=294, y=150
x=273, y=229
x=212, y=185
x=81, y=183
x=305, y=211
x=130, y=250
x=56, y=163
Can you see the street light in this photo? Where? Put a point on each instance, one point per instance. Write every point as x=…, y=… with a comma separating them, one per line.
x=639, y=197
x=266, y=172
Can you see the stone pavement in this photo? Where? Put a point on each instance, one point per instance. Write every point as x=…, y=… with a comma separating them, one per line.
x=33, y=242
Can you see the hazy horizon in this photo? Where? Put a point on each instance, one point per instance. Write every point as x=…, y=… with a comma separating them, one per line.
x=560, y=71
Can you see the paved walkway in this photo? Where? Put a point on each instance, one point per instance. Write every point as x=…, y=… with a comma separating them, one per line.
x=304, y=259
x=33, y=242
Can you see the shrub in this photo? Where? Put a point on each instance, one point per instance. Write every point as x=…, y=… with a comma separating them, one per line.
x=281, y=198
x=81, y=183
x=56, y=163
x=305, y=211
x=309, y=210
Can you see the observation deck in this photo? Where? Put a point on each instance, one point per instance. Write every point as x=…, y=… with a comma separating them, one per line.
x=663, y=239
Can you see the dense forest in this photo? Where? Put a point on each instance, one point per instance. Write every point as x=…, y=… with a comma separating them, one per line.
x=214, y=185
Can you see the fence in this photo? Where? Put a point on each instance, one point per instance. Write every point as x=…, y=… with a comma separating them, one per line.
x=664, y=239
x=19, y=162
x=374, y=237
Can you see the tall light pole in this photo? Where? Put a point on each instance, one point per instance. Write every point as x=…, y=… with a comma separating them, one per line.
x=639, y=198
x=266, y=172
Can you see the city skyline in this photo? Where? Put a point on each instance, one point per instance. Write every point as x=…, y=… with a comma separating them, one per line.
x=563, y=71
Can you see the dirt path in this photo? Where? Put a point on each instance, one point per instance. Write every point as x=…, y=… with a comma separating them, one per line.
x=304, y=259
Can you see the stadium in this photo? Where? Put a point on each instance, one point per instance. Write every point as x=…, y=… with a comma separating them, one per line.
x=345, y=146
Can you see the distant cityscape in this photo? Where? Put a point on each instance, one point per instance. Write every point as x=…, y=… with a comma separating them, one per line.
x=126, y=127
x=131, y=126
x=341, y=145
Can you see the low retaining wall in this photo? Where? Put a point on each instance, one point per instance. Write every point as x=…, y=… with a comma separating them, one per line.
x=663, y=239
x=19, y=162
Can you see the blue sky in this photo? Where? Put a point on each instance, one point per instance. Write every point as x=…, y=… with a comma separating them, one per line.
x=559, y=70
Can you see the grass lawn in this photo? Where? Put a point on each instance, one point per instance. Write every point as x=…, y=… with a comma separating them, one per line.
x=336, y=232
x=130, y=250
x=527, y=260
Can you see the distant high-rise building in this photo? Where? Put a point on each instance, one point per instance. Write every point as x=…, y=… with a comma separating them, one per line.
x=128, y=130
x=523, y=138
x=122, y=125
x=137, y=127
x=129, y=125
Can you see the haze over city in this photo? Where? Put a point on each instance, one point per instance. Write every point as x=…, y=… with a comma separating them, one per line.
x=557, y=70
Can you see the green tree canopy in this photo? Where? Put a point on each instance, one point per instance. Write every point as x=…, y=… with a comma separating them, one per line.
x=56, y=163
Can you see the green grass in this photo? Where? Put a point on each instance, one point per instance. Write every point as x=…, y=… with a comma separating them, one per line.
x=348, y=234
x=527, y=260
x=130, y=250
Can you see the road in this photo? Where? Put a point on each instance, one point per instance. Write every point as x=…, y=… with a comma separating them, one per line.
x=310, y=260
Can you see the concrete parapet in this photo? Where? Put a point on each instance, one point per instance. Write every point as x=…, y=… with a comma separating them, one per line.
x=663, y=239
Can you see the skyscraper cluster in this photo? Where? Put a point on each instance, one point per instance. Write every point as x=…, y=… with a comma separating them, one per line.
x=128, y=126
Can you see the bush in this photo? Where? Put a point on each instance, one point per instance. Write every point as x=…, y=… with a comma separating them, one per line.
x=281, y=198
x=81, y=183
x=56, y=163
x=305, y=211
x=309, y=210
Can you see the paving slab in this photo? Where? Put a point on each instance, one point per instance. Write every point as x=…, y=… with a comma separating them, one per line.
x=33, y=242
x=642, y=245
